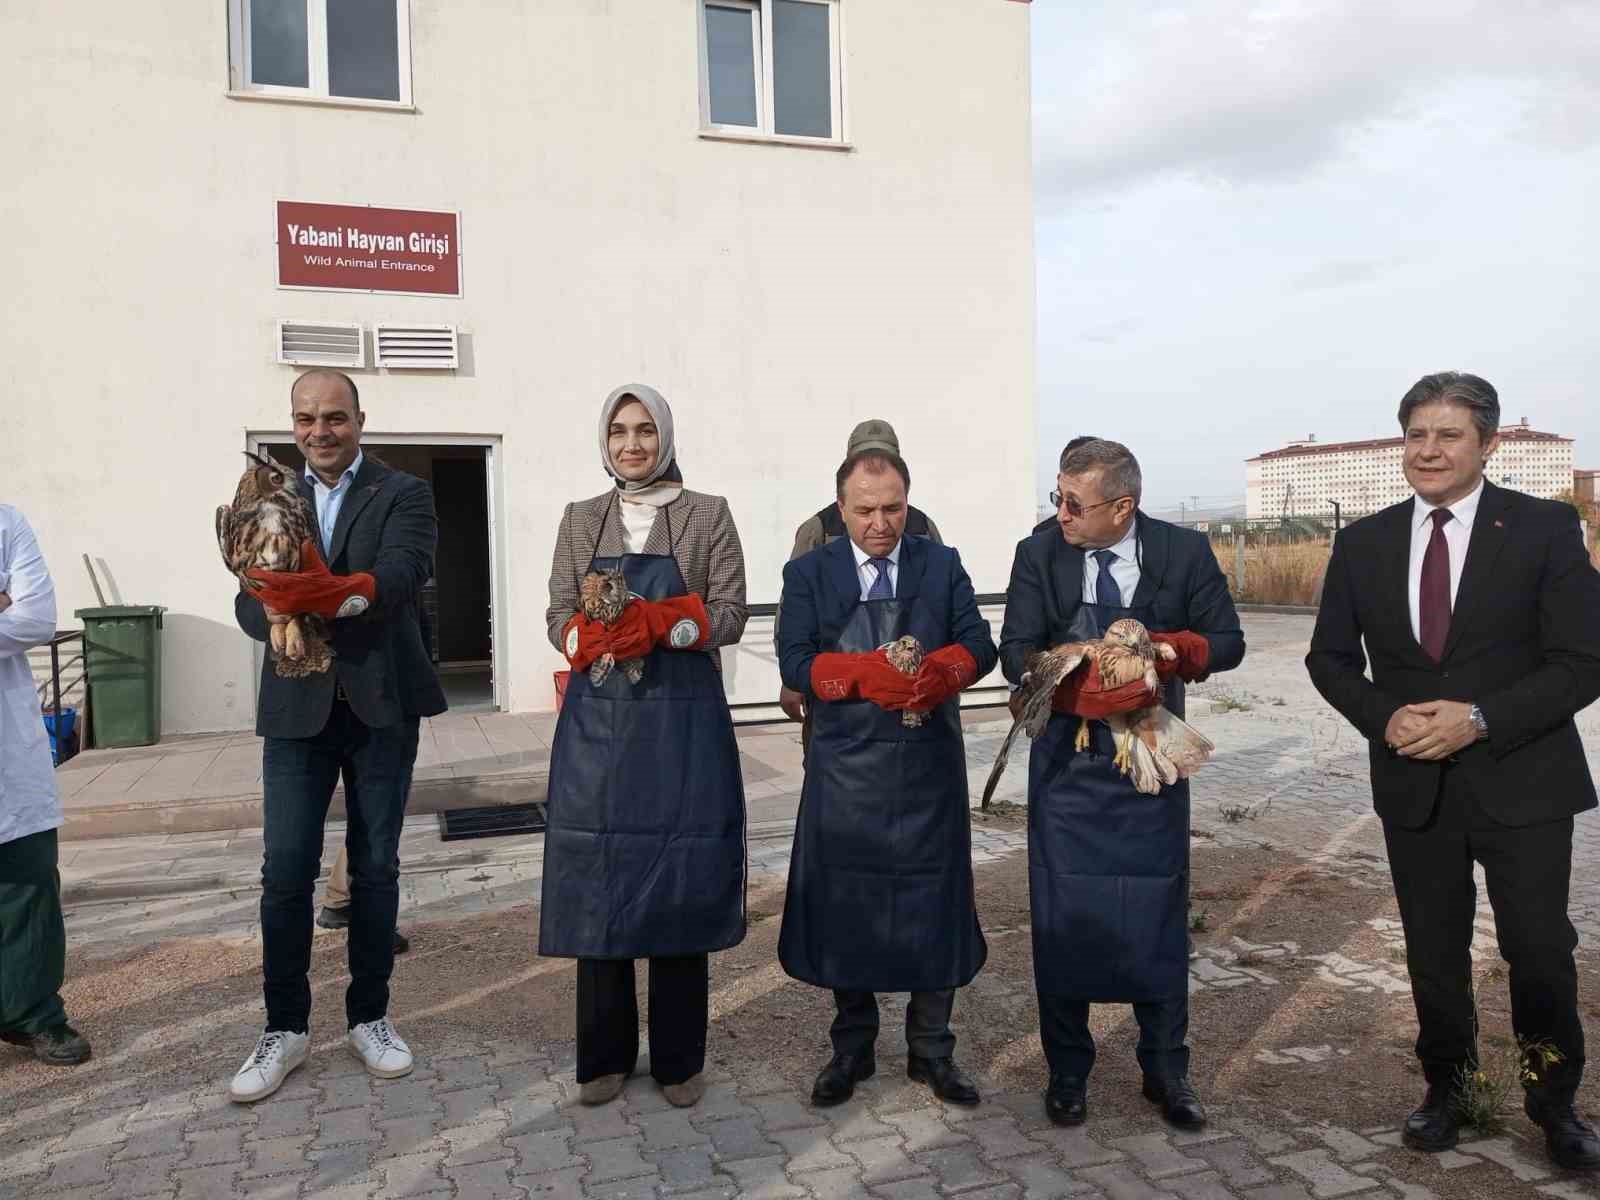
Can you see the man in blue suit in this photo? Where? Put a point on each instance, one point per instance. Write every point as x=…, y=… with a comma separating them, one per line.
x=1108, y=909
x=880, y=883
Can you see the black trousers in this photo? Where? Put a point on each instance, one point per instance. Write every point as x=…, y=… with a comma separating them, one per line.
x=608, y=1017
x=33, y=936
x=1527, y=870
x=855, y=1026
x=299, y=776
x=1069, y=1046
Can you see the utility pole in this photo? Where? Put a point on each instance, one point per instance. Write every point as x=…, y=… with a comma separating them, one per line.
x=1337, y=523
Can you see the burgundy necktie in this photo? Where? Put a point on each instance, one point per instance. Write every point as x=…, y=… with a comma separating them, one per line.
x=1433, y=600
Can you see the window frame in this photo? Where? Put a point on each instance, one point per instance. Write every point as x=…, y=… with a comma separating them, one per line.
x=765, y=129
x=242, y=86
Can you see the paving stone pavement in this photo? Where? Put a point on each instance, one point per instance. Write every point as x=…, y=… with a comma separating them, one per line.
x=477, y=1121
x=491, y=1119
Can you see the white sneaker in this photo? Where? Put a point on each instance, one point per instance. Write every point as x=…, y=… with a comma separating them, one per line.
x=381, y=1048
x=276, y=1054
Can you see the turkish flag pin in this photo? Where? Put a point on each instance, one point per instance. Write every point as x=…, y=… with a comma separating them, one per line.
x=1499, y=524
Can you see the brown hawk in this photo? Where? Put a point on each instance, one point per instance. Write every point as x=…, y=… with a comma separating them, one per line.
x=264, y=529
x=1154, y=746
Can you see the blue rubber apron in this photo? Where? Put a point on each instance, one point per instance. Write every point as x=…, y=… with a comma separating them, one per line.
x=880, y=877
x=645, y=850
x=1108, y=867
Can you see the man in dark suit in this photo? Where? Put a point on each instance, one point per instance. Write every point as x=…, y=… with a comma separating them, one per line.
x=1477, y=608
x=827, y=525
x=880, y=885
x=1109, y=910
x=377, y=531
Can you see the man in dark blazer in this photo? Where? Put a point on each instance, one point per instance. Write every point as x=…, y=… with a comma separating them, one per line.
x=1108, y=910
x=377, y=532
x=880, y=892
x=1477, y=608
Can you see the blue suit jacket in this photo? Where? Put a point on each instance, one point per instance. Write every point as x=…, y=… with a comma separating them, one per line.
x=1178, y=578
x=821, y=589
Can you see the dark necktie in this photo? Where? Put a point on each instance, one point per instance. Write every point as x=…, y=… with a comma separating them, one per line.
x=1106, y=590
x=1433, y=598
x=881, y=588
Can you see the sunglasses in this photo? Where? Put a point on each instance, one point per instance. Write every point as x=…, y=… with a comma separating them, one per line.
x=1076, y=509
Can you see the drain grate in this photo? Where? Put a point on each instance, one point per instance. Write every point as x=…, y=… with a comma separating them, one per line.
x=499, y=820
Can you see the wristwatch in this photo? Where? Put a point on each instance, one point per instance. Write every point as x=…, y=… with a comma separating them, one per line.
x=1475, y=715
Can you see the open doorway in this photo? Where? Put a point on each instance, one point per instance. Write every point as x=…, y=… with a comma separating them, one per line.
x=456, y=606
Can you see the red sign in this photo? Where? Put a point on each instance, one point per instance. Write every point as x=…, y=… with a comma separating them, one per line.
x=355, y=248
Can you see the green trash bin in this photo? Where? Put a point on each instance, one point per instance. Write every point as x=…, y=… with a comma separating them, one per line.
x=122, y=651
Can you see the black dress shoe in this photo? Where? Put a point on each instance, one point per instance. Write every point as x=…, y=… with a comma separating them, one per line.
x=1176, y=1096
x=1066, y=1100
x=946, y=1079
x=1570, y=1140
x=1436, y=1125
x=837, y=1081
x=331, y=917
x=401, y=942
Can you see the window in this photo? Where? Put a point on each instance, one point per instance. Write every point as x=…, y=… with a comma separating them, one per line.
x=771, y=67
x=322, y=49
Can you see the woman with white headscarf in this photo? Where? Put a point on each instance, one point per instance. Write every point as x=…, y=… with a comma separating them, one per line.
x=645, y=852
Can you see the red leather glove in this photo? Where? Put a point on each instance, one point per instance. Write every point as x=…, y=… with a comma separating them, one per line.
x=314, y=588
x=583, y=640
x=944, y=674
x=861, y=677
x=1083, y=694
x=1194, y=656
x=679, y=623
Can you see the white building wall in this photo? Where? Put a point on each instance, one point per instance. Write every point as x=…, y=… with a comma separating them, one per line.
x=776, y=294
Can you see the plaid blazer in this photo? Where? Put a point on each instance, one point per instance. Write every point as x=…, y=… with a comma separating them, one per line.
x=701, y=537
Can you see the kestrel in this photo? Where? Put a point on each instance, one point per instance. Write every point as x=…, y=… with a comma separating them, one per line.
x=1154, y=746
x=603, y=595
x=905, y=655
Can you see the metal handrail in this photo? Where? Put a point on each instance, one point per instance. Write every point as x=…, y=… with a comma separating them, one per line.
x=54, y=688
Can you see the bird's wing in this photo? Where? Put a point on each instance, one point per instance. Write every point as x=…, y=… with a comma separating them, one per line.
x=1043, y=676
x=1000, y=762
x=1177, y=750
x=225, y=536
x=1045, y=672
x=1118, y=664
x=1147, y=767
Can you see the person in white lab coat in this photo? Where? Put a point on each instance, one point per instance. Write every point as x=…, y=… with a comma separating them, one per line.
x=33, y=936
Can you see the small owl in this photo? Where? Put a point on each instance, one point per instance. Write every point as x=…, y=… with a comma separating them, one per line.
x=603, y=595
x=905, y=655
x=263, y=529
x=1154, y=747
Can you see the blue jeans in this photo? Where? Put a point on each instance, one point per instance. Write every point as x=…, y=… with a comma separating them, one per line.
x=300, y=774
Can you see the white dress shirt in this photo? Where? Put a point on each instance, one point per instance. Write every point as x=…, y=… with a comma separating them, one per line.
x=868, y=574
x=1125, y=570
x=1457, y=535
x=330, y=500
x=28, y=801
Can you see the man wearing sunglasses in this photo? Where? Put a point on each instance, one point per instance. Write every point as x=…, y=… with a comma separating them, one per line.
x=1108, y=909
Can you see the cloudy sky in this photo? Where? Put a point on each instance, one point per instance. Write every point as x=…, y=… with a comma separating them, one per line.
x=1262, y=220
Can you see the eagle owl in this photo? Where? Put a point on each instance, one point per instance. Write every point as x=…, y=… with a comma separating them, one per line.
x=1154, y=747
x=263, y=529
x=905, y=655
x=603, y=595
